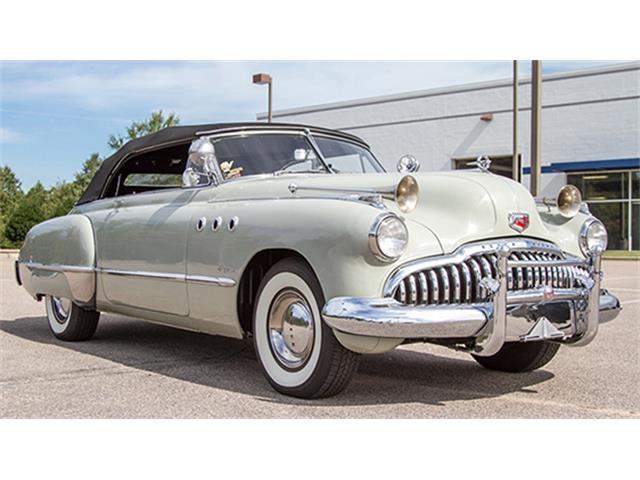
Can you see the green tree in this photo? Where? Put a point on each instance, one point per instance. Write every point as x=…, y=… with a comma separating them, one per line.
x=10, y=191
x=157, y=121
x=31, y=211
x=11, y=195
x=62, y=198
x=20, y=212
x=64, y=195
x=89, y=169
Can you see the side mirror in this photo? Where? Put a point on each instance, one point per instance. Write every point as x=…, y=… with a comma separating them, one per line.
x=408, y=164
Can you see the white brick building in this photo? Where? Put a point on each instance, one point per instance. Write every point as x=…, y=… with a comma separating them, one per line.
x=590, y=134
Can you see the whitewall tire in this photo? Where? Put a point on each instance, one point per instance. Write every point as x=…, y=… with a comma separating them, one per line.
x=298, y=353
x=68, y=321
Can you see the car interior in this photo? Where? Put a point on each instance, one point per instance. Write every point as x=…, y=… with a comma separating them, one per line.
x=154, y=170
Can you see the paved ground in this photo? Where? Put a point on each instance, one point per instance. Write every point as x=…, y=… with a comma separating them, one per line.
x=134, y=369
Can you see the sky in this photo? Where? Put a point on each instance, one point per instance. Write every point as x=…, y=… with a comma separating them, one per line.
x=53, y=115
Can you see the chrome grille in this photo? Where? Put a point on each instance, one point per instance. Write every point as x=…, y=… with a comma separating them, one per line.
x=461, y=282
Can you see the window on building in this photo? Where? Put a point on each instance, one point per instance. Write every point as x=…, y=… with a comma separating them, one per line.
x=500, y=164
x=613, y=197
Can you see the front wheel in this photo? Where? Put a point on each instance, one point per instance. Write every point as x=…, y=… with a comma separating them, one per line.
x=520, y=357
x=68, y=321
x=298, y=352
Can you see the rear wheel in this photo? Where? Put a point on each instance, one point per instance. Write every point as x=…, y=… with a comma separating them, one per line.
x=298, y=352
x=68, y=321
x=520, y=357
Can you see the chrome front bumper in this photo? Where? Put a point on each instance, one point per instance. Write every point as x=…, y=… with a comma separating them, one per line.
x=569, y=315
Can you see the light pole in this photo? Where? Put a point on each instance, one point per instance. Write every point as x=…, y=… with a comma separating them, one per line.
x=515, y=164
x=261, y=79
x=536, y=115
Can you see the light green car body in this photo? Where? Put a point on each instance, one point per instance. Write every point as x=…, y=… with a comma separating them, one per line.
x=155, y=234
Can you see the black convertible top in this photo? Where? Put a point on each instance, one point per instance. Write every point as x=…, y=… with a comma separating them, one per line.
x=181, y=134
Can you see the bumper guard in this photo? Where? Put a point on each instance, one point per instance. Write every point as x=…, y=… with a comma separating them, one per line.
x=487, y=324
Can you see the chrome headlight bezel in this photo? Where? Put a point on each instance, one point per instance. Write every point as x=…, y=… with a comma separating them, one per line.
x=586, y=230
x=380, y=251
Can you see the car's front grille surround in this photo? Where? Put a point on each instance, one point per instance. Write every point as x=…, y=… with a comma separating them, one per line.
x=458, y=278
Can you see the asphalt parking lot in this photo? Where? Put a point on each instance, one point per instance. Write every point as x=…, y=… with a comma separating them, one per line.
x=133, y=369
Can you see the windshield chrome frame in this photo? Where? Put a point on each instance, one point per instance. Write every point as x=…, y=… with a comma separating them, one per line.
x=304, y=132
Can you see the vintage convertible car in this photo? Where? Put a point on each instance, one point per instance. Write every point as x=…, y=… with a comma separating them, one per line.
x=297, y=237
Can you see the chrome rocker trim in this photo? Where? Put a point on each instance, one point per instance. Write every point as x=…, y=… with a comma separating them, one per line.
x=483, y=328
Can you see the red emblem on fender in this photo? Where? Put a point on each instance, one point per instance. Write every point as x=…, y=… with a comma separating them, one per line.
x=519, y=221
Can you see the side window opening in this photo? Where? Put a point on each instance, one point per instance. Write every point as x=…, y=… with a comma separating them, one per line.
x=155, y=170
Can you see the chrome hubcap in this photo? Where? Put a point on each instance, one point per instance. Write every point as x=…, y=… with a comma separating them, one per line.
x=291, y=330
x=61, y=308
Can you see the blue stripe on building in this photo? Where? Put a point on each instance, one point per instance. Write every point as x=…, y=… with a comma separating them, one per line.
x=618, y=163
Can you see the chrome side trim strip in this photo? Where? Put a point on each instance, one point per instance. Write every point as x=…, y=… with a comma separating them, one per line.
x=132, y=273
x=205, y=280
x=54, y=267
x=174, y=277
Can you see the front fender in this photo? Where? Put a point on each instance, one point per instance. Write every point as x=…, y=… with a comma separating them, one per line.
x=332, y=235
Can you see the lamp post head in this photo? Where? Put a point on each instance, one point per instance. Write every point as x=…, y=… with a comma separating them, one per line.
x=261, y=79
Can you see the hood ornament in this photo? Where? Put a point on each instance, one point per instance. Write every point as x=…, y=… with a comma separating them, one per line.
x=519, y=221
x=482, y=162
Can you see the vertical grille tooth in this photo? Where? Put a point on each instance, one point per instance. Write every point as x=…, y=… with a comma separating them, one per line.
x=514, y=275
x=424, y=289
x=444, y=279
x=530, y=279
x=535, y=278
x=486, y=267
x=477, y=276
x=466, y=281
x=563, y=277
x=413, y=290
x=554, y=276
x=543, y=270
x=434, y=296
x=573, y=274
x=402, y=292
x=493, y=260
x=455, y=277
x=523, y=273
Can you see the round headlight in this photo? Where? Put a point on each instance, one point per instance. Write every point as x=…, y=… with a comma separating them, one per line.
x=388, y=237
x=569, y=201
x=593, y=236
x=407, y=194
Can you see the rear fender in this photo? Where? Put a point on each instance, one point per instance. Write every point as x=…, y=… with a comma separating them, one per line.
x=58, y=258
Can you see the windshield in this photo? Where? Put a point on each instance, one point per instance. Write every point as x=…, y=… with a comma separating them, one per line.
x=255, y=154
x=347, y=157
x=265, y=153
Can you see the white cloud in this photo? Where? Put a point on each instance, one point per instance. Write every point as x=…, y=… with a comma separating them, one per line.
x=222, y=91
x=9, y=136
